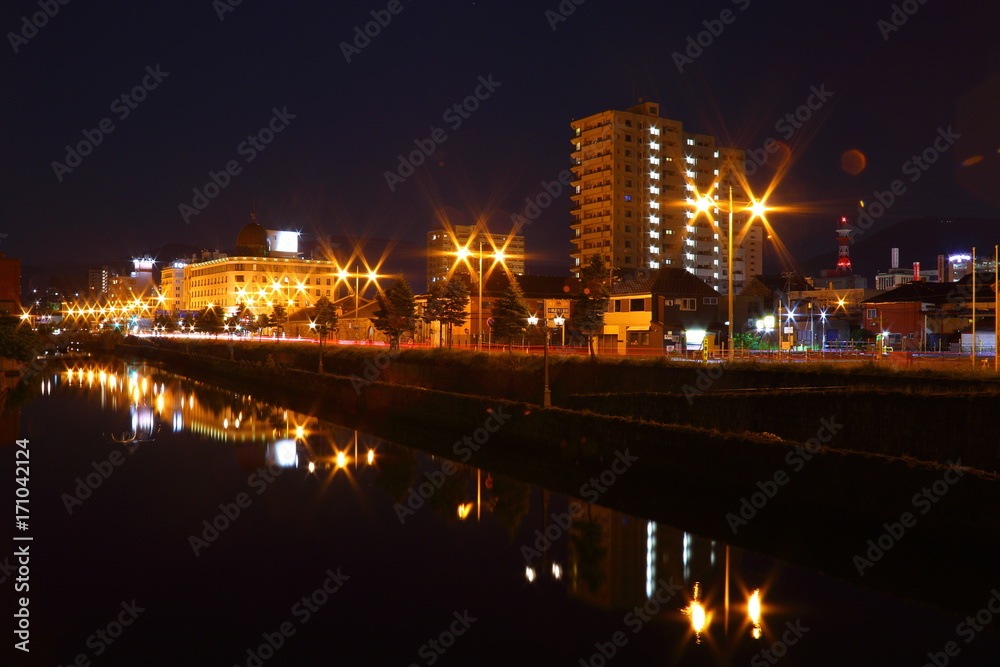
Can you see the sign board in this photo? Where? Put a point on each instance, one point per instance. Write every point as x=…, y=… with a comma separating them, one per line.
x=489, y=322
x=789, y=330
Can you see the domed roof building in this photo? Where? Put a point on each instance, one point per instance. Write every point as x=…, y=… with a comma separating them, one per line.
x=252, y=241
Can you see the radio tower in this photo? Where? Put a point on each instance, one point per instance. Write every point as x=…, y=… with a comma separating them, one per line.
x=844, y=249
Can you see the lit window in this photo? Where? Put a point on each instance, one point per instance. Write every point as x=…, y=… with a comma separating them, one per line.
x=690, y=142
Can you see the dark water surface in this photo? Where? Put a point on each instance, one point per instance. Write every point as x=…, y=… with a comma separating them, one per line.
x=323, y=548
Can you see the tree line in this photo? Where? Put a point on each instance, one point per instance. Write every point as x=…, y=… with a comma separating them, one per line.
x=447, y=304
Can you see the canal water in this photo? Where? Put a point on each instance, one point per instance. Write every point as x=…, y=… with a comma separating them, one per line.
x=179, y=523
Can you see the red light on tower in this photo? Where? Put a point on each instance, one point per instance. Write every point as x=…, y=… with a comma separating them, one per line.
x=844, y=247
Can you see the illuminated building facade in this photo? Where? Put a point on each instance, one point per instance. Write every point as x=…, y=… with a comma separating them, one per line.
x=638, y=181
x=136, y=285
x=267, y=270
x=97, y=281
x=443, y=244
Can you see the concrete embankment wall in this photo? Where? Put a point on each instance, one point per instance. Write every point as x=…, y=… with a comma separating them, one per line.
x=925, y=426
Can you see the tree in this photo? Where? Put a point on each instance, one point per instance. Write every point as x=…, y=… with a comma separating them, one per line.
x=434, y=309
x=263, y=321
x=326, y=313
x=237, y=318
x=746, y=340
x=510, y=314
x=592, y=300
x=165, y=322
x=447, y=303
x=278, y=316
x=209, y=321
x=456, y=303
x=19, y=343
x=397, y=312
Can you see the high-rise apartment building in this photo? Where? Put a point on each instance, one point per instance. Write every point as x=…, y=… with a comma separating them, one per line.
x=443, y=245
x=639, y=180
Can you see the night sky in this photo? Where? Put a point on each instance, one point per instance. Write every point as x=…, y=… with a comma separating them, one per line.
x=224, y=70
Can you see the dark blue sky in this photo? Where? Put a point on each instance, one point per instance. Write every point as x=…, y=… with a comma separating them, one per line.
x=324, y=173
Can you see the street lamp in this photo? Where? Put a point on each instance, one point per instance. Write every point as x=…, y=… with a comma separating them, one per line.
x=560, y=322
x=463, y=254
x=546, y=393
x=822, y=319
x=370, y=276
x=758, y=209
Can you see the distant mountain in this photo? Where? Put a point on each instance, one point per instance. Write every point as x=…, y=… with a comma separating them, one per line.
x=918, y=239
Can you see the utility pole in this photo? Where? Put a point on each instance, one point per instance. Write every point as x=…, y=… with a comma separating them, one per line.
x=973, y=357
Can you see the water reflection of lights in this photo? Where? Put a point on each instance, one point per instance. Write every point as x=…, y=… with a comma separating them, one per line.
x=753, y=611
x=650, y=558
x=463, y=510
x=285, y=454
x=696, y=612
x=530, y=574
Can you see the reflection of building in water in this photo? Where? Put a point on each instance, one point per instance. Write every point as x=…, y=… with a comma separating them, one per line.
x=282, y=437
x=616, y=560
x=143, y=421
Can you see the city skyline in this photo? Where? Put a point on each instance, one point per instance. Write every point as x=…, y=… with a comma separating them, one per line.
x=218, y=116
